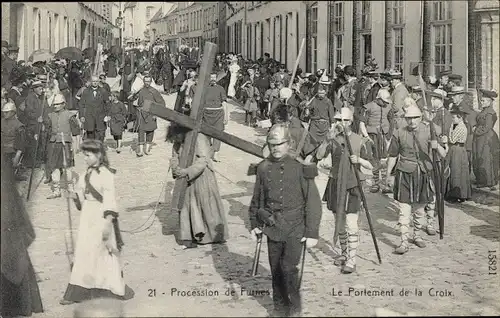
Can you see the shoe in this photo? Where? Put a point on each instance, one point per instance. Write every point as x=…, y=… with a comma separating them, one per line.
x=118, y=150
x=54, y=195
x=402, y=249
x=294, y=313
x=65, y=302
x=419, y=242
x=216, y=158
x=430, y=230
x=340, y=261
x=375, y=188
x=348, y=269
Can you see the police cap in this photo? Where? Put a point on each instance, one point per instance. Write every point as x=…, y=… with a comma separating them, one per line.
x=488, y=93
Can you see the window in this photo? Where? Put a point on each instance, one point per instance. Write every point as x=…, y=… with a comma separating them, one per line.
x=255, y=42
x=367, y=46
x=365, y=15
x=66, y=33
x=398, y=12
x=398, y=49
x=339, y=44
x=314, y=38
x=148, y=12
x=56, y=33
x=337, y=37
x=441, y=35
x=51, y=41
x=36, y=30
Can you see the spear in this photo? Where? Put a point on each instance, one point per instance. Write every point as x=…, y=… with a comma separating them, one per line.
x=437, y=170
x=363, y=197
x=68, y=201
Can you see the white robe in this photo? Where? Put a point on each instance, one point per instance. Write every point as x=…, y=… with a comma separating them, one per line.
x=233, y=69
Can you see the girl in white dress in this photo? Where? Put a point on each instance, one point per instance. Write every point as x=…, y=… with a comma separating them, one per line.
x=233, y=69
x=97, y=270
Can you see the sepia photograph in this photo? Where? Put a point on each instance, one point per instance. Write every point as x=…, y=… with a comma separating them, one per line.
x=250, y=159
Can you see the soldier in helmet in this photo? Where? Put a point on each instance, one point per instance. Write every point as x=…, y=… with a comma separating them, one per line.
x=335, y=145
x=62, y=125
x=286, y=207
x=375, y=126
x=413, y=187
x=13, y=136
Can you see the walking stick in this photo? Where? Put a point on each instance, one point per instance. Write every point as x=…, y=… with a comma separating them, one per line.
x=68, y=201
x=363, y=199
x=37, y=144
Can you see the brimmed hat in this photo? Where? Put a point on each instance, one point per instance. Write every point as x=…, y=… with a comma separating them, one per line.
x=457, y=90
x=36, y=84
x=5, y=44
x=416, y=89
x=13, y=48
x=435, y=94
x=392, y=74
x=324, y=79
x=489, y=94
x=457, y=109
x=440, y=91
x=58, y=100
x=455, y=77
x=445, y=73
x=278, y=134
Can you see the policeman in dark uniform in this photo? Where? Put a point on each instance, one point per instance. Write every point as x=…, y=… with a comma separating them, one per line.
x=285, y=206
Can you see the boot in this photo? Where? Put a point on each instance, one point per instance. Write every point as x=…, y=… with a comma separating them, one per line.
x=118, y=146
x=340, y=261
x=350, y=264
x=374, y=188
x=139, y=150
x=147, y=148
x=429, y=210
x=417, y=238
x=56, y=191
x=403, y=247
x=246, y=118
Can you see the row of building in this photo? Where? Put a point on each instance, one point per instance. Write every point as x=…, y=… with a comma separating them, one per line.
x=54, y=25
x=428, y=35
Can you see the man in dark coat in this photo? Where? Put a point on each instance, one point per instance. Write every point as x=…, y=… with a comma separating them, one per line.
x=93, y=107
x=36, y=104
x=167, y=73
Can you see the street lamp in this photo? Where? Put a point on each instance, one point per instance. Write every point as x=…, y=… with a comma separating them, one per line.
x=119, y=23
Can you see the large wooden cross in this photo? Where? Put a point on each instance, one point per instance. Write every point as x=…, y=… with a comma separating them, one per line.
x=195, y=124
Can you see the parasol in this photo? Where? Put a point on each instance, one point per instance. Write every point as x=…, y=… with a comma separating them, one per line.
x=89, y=53
x=40, y=55
x=70, y=53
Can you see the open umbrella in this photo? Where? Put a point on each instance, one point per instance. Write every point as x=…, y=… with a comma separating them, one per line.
x=89, y=53
x=70, y=53
x=40, y=55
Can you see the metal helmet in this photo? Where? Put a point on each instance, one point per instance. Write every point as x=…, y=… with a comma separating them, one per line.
x=346, y=113
x=278, y=134
x=412, y=111
x=338, y=116
x=9, y=106
x=58, y=100
x=285, y=93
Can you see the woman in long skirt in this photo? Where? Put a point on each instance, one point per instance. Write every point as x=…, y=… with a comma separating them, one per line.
x=459, y=183
x=20, y=295
x=97, y=270
x=485, y=146
x=234, y=68
x=202, y=218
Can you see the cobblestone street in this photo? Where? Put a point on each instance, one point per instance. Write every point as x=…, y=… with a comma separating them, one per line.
x=454, y=270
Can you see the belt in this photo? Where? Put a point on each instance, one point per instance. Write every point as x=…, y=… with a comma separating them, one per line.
x=212, y=108
x=319, y=119
x=459, y=144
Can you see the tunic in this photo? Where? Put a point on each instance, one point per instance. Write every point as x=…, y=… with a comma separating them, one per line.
x=94, y=267
x=321, y=114
x=342, y=174
x=413, y=182
x=145, y=120
x=202, y=217
x=485, y=148
x=459, y=182
x=56, y=122
x=13, y=135
x=377, y=124
x=252, y=96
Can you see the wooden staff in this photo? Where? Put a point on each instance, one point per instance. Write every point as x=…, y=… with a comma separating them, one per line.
x=97, y=60
x=68, y=201
x=297, y=62
x=363, y=197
